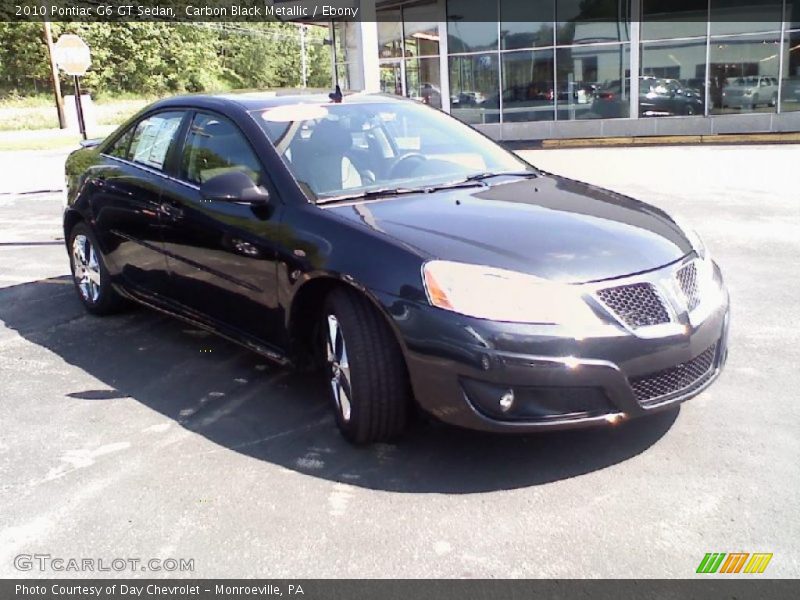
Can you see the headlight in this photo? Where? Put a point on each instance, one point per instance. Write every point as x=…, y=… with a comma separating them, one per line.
x=500, y=295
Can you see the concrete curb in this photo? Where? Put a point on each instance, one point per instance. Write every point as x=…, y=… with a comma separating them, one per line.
x=667, y=140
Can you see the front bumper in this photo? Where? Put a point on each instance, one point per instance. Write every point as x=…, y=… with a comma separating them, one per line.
x=460, y=368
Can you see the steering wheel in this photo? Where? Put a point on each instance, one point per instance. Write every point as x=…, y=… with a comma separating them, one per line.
x=405, y=161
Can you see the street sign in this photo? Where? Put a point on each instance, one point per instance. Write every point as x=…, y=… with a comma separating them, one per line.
x=72, y=55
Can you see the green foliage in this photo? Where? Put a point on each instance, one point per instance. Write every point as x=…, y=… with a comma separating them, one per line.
x=151, y=59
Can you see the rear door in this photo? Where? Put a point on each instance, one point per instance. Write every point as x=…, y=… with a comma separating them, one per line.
x=222, y=255
x=128, y=199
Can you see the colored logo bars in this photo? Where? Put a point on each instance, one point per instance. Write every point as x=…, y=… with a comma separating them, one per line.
x=714, y=562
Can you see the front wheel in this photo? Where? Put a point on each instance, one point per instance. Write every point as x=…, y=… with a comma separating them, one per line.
x=89, y=273
x=364, y=365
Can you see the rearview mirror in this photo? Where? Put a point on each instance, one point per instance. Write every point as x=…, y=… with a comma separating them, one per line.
x=234, y=186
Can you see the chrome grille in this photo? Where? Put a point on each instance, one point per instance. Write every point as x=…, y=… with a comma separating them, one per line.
x=687, y=280
x=636, y=305
x=682, y=377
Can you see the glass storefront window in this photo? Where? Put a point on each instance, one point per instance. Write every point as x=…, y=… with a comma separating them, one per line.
x=526, y=24
x=346, y=36
x=790, y=96
x=673, y=78
x=423, y=82
x=391, y=78
x=390, y=34
x=735, y=16
x=665, y=19
x=474, y=94
x=581, y=22
x=421, y=30
x=593, y=82
x=743, y=74
x=528, y=81
x=471, y=25
x=792, y=14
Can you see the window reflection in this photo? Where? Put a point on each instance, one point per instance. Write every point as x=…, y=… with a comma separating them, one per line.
x=391, y=78
x=673, y=79
x=665, y=19
x=736, y=16
x=528, y=86
x=593, y=82
x=474, y=88
x=390, y=34
x=420, y=24
x=582, y=22
x=790, y=98
x=526, y=24
x=743, y=74
x=471, y=25
x=423, y=82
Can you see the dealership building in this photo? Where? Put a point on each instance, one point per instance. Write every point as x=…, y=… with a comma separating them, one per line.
x=539, y=69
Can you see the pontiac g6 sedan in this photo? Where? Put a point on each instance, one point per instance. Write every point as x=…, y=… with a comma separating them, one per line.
x=413, y=259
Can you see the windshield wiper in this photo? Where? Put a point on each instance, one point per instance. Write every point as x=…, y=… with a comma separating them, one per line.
x=470, y=181
x=489, y=174
x=367, y=194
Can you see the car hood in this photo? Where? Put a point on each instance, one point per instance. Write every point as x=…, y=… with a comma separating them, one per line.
x=548, y=226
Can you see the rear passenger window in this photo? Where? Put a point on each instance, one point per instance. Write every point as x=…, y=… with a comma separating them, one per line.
x=153, y=137
x=214, y=146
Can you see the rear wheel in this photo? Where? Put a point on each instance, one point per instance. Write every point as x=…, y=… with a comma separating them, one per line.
x=365, y=368
x=89, y=273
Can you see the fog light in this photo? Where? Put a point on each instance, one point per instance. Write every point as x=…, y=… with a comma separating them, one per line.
x=507, y=401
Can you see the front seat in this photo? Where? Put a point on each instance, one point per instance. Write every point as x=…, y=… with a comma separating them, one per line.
x=321, y=161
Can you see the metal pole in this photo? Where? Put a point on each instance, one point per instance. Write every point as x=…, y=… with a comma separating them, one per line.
x=79, y=106
x=48, y=38
x=303, y=54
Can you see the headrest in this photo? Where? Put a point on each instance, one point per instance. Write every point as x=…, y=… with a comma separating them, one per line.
x=331, y=137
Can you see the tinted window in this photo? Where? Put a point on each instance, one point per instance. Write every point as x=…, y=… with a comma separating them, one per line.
x=153, y=137
x=664, y=19
x=581, y=22
x=526, y=24
x=471, y=25
x=214, y=146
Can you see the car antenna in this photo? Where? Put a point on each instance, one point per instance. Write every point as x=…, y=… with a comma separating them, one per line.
x=336, y=95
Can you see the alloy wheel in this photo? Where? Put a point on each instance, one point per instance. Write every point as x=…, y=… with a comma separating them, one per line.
x=86, y=268
x=336, y=352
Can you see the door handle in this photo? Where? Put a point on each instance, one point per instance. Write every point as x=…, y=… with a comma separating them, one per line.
x=171, y=211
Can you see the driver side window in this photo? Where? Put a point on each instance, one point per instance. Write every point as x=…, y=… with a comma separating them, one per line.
x=215, y=146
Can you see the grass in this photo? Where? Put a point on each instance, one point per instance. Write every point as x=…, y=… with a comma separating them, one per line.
x=55, y=142
x=38, y=112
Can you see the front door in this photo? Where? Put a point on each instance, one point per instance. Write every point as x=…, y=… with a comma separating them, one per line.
x=222, y=255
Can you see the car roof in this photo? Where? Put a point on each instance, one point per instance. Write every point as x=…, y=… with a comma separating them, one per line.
x=259, y=100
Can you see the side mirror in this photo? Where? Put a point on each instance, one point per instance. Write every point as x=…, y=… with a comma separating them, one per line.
x=234, y=186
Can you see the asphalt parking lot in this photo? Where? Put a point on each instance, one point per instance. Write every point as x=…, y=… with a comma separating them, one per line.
x=137, y=436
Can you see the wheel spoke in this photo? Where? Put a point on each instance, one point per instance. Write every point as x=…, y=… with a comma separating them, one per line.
x=335, y=388
x=333, y=332
x=344, y=403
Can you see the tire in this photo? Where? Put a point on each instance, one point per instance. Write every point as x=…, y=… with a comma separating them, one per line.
x=774, y=101
x=689, y=110
x=89, y=274
x=364, y=367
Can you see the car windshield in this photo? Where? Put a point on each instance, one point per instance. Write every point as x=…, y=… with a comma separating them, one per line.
x=360, y=148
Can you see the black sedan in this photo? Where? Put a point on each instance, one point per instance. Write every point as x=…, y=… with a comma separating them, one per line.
x=413, y=259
